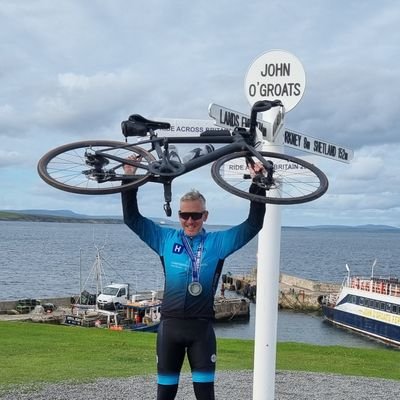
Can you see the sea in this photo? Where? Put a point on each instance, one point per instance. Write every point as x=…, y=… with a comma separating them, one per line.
x=52, y=259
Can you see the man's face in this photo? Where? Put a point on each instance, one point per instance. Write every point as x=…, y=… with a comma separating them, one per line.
x=189, y=211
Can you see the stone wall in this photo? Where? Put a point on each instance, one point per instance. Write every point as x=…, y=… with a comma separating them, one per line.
x=58, y=301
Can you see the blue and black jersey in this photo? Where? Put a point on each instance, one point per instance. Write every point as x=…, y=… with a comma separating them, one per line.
x=167, y=243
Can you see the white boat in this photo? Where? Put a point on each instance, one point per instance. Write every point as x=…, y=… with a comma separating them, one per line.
x=366, y=305
x=117, y=309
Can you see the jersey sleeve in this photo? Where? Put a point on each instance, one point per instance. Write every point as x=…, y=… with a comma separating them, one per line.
x=150, y=232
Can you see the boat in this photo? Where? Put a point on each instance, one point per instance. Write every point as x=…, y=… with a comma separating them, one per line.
x=369, y=306
x=231, y=308
x=113, y=306
x=136, y=315
x=144, y=314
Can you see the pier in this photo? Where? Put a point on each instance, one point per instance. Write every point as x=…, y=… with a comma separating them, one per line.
x=295, y=293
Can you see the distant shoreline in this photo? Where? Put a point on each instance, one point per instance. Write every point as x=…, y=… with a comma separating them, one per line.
x=42, y=216
x=19, y=217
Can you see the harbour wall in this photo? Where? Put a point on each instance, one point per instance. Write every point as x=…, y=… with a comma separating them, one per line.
x=12, y=304
x=295, y=293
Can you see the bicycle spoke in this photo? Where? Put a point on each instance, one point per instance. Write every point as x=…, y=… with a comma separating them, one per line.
x=290, y=181
x=93, y=167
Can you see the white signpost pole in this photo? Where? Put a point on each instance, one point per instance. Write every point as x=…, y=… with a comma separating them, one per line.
x=268, y=262
x=274, y=75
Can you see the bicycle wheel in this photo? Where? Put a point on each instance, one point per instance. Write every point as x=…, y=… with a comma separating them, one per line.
x=80, y=168
x=292, y=180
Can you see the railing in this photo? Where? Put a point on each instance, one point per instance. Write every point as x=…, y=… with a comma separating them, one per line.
x=387, y=286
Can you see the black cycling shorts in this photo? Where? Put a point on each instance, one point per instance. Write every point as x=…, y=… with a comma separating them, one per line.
x=195, y=337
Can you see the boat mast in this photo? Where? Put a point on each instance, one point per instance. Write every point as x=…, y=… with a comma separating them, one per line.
x=80, y=275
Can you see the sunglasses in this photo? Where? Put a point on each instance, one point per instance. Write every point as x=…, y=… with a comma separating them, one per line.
x=194, y=215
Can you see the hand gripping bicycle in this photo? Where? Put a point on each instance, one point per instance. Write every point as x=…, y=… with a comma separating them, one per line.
x=97, y=166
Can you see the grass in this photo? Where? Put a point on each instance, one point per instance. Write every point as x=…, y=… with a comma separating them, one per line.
x=37, y=353
x=9, y=215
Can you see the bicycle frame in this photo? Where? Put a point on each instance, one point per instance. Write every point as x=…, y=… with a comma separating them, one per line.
x=233, y=143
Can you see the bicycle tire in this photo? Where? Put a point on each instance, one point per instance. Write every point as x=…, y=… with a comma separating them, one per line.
x=296, y=181
x=65, y=168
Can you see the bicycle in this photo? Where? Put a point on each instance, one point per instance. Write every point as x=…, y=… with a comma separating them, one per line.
x=96, y=166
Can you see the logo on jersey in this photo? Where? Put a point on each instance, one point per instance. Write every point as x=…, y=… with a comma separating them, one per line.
x=177, y=248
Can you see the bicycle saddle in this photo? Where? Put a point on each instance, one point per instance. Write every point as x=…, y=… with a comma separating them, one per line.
x=213, y=132
x=140, y=126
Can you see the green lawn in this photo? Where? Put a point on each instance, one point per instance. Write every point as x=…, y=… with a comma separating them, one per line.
x=34, y=353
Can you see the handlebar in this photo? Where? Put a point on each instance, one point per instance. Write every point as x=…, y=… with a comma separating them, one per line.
x=261, y=106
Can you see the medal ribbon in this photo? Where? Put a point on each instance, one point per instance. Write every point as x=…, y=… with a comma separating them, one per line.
x=195, y=259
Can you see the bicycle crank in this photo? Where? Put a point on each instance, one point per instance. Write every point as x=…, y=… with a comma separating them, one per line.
x=166, y=168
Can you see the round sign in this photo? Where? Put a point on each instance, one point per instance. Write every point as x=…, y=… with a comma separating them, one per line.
x=276, y=75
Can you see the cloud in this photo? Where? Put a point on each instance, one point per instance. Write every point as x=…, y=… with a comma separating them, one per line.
x=373, y=171
x=10, y=159
x=74, y=70
x=81, y=104
x=8, y=120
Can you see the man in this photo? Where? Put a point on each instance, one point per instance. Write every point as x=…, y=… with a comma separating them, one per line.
x=192, y=260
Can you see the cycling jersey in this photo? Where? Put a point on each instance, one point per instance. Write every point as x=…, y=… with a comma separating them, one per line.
x=168, y=244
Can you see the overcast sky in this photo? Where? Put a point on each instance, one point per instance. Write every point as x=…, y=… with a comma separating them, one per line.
x=72, y=70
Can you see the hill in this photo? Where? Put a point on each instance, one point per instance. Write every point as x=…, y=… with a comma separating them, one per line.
x=70, y=216
x=55, y=216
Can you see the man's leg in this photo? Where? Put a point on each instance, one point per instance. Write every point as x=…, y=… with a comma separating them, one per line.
x=204, y=391
x=202, y=357
x=170, y=356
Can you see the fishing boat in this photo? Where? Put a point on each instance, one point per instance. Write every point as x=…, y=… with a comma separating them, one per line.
x=144, y=315
x=367, y=305
x=113, y=306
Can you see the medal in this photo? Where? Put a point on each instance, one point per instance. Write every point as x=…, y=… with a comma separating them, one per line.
x=195, y=288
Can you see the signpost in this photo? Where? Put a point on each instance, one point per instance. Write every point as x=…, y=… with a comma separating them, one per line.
x=276, y=75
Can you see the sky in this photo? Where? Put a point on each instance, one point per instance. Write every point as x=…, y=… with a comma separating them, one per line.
x=73, y=70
